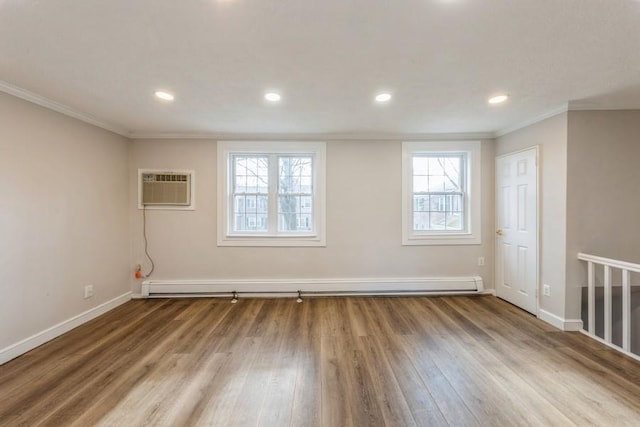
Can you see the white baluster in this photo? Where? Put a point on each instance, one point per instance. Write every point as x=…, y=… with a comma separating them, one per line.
x=626, y=311
x=607, y=303
x=592, y=299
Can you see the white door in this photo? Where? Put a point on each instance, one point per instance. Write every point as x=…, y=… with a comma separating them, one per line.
x=517, y=228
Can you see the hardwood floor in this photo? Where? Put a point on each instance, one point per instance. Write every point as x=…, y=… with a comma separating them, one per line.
x=459, y=361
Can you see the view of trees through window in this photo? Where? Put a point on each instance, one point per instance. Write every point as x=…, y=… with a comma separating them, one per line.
x=253, y=194
x=438, y=192
x=295, y=193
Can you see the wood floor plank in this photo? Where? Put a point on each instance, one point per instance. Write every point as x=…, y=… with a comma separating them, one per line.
x=453, y=407
x=361, y=395
x=336, y=407
x=459, y=361
x=187, y=407
x=402, y=397
x=247, y=408
x=387, y=352
x=225, y=388
x=307, y=397
x=356, y=315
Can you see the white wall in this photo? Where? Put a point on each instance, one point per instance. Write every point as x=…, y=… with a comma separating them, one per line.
x=551, y=136
x=63, y=218
x=363, y=222
x=603, y=199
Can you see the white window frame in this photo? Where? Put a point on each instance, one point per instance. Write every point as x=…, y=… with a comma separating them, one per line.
x=473, y=202
x=226, y=149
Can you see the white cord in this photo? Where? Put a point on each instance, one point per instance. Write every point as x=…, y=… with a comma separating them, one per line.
x=146, y=243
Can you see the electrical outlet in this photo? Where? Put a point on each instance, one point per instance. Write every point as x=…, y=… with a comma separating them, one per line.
x=480, y=261
x=88, y=291
x=546, y=290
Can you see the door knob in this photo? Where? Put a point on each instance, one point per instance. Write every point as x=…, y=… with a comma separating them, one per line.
x=499, y=232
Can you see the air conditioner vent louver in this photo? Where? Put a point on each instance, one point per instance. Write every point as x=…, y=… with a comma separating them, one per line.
x=166, y=188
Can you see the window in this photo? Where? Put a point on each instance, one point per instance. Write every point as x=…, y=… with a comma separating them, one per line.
x=271, y=194
x=441, y=193
x=438, y=192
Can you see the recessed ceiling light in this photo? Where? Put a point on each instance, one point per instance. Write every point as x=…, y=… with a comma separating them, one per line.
x=383, y=97
x=272, y=96
x=165, y=96
x=498, y=99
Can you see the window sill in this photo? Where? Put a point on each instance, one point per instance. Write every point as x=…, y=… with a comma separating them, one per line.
x=279, y=241
x=441, y=239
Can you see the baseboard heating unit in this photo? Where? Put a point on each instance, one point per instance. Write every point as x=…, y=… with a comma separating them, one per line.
x=313, y=287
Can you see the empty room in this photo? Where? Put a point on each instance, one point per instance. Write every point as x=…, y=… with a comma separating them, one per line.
x=320, y=213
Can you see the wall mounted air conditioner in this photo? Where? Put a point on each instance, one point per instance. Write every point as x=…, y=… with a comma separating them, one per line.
x=165, y=189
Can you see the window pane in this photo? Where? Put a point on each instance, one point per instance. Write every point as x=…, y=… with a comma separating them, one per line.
x=437, y=221
x=250, y=222
x=305, y=222
x=438, y=192
x=294, y=175
x=263, y=204
x=420, y=166
x=251, y=174
x=436, y=183
x=241, y=184
x=306, y=204
x=294, y=213
x=250, y=199
x=454, y=221
x=421, y=221
x=444, y=173
x=435, y=166
x=252, y=184
x=305, y=185
x=420, y=203
x=420, y=184
x=251, y=204
x=295, y=189
x=452, y=174
x=250, y=213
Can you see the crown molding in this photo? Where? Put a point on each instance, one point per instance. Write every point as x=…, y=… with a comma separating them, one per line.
x=314, y=136
x=34, y=98
x=590, y=106
x=584, y=106
x=554, y=112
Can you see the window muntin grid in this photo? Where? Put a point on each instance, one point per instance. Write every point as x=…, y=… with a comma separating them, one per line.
x=272, y=194
x=438, y=192
x=295, y=193
x=250, y=193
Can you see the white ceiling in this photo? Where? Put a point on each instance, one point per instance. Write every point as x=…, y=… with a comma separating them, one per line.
x=441, y=59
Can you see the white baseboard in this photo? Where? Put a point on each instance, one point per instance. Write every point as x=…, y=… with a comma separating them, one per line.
x=286, y=287
x=19, y=348
x=572, y=325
